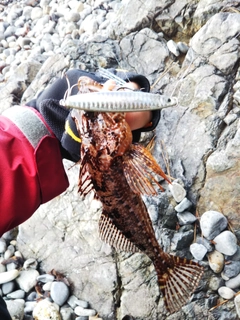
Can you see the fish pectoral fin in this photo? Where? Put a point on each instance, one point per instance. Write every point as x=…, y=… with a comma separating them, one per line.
x=139, y=166
x=179, y=282
x=110, y=234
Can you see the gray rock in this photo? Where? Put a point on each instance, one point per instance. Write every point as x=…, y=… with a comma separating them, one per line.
x=183, y=205
x=182, y=240
x=27, y=279
x=45, y=278
x=226, y=243
x=66, y=313
x=16, y=308
x=29, y=306
x=8, y=287
x=212, y=223
x=182, y=47
x=215, y=283
x=186, y=218
x=198, y=251
x=232, y=269
x=84, y=312
x=73, y=301
x=18, y=294
x=207, y=244
x=233, y=283
x=59, y=292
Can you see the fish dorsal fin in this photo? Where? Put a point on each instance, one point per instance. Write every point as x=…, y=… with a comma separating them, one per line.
x=110, y=234
x=139, y=166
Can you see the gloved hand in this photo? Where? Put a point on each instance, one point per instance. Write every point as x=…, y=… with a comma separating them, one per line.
x=63, y=126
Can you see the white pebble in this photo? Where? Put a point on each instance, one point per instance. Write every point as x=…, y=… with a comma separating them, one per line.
x=212, y=223
x=226, y=243
x=177, y=191
x=8, y=276
x=226, y=293
x=172, y=46
x=27, y=279
x=216, y=261
x=198, y=251
x=183, y=205
x=84, y=312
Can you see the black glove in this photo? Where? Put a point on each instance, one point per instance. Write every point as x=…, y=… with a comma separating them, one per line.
x=63, y=126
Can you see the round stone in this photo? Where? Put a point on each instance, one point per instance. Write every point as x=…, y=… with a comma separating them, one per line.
x=59, y=292
x=226, y=293
x=183, y=205
x=198, y=251
x=177, y=191
x=226, y=243
x=212, y=223
x=216, y=261
x=46, y=310
x=234, y=282
x=84, y=312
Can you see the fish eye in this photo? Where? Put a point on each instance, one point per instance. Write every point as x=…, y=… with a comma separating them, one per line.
x=169, y=100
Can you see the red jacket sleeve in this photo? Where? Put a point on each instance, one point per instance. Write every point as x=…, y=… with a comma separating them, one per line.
x=31, y=169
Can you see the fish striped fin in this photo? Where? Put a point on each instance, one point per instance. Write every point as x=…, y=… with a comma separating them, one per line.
x=139, y=167
x=179, y=282
x=111, y=235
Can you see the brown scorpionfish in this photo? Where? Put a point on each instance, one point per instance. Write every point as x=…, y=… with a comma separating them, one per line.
x=119, y=172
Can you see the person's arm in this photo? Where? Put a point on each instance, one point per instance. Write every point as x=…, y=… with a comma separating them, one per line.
x=31, y=169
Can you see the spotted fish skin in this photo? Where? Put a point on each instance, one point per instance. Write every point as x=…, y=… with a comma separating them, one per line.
x=118, y=172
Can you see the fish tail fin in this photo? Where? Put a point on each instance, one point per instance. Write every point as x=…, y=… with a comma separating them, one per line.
x=178, y=282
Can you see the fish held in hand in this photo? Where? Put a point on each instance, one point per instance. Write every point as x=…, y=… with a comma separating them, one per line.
x=119, y=172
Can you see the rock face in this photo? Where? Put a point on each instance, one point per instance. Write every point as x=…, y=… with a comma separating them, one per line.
x=200, y=137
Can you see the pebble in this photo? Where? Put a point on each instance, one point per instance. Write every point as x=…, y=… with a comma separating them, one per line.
x=182, y=47
x=8, y=287
x=177, y=191
x=231, y=270
x=59, y=292
x=233, y=283
x=198, y=251
x=30, y=264
x=183, y=205
x=66, y=313
x=216, y=261
x=18, y=294
x=172, y=46
x=226, y=243
x=84, y=312
x=186, y=218
x=226, y=293
x=45, y=278
x=8, y=276
x=212, y=223
x=73, y=301
x=46, y=310
x=206, y=243
x=27, y=279
x=237, y=304
x=215, y=283
x=16, y=308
